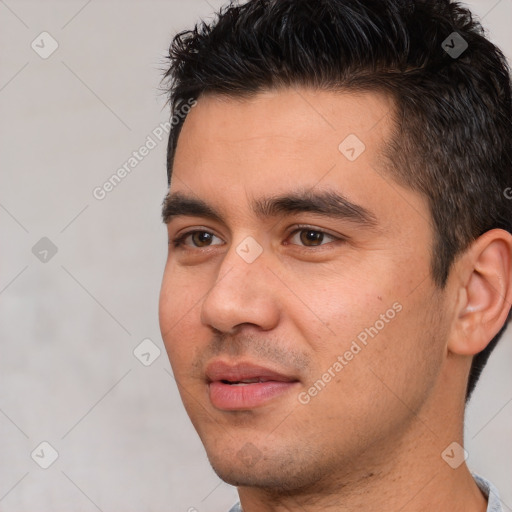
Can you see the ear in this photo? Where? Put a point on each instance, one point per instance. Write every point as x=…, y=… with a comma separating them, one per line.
x=484, y=286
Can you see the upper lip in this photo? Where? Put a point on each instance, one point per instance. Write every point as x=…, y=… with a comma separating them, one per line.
x=243, y=370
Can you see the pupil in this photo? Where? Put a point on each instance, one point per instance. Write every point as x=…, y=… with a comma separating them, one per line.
x=201, y=237
x=312, y=236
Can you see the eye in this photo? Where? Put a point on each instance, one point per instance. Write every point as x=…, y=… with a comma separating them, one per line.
x=311, y=237
x=306, y=236
x=199, y=239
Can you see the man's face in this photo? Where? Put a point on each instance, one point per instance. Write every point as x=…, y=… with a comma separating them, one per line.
x=336, y=313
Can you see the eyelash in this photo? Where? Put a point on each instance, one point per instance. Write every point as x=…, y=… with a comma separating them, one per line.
x=179, y=242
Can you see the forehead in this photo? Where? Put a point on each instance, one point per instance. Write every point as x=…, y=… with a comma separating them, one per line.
x=289, y=122
x=233, y=150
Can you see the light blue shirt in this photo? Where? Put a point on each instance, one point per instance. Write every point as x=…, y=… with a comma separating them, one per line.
x=491, y=493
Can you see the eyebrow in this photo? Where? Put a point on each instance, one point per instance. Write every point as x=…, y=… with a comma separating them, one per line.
x=326, y=203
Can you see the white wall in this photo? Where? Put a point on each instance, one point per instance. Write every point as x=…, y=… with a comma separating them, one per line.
x=69, y=326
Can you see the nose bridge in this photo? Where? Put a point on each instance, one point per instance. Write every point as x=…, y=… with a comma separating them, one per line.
x=240, y=294
x=244, y=261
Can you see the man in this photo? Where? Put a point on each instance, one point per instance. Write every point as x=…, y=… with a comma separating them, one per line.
x=339, y=263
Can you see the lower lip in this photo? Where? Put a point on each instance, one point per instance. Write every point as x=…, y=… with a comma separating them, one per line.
x=235, y=397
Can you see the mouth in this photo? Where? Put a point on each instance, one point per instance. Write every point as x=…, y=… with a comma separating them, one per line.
x=244, y=385
x=245, y=381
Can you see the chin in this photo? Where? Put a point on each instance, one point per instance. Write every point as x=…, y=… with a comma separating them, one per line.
x=239, y=475
x=279, y=472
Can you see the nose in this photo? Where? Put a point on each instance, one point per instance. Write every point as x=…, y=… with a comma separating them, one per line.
x=244, y=293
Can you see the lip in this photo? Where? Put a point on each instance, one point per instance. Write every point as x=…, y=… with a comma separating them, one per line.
x=271, y=384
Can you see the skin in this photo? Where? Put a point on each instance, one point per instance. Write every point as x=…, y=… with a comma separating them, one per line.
x=372, y=438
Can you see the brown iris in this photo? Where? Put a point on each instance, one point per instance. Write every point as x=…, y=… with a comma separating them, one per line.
x=310, y=235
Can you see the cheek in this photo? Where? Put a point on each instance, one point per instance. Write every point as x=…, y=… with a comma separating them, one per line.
x=336, y=307
x=374, y=319
x=181, y=289
x=168, y=306
x=379, y=381
x=404, y=359
x=179, y=306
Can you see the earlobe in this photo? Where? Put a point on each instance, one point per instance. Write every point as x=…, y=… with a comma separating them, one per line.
x=485, y=292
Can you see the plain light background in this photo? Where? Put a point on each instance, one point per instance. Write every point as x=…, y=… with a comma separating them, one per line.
x=69, y=325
